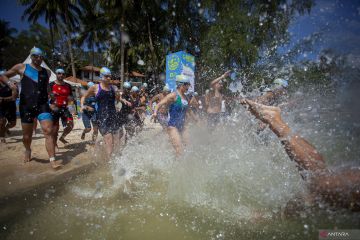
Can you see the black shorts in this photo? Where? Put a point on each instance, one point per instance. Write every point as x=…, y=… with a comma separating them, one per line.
x=63, y=114
x=29, y=113
x=8, y=111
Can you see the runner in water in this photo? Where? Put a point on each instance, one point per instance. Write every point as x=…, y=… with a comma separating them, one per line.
x=125, y=112
x=60, y=95
x=163, y=114
x=214, y=100
x=107, y=120
x=88, y=111
x=340, y=188
x=178, y=105
x=138, y=108
x=8, y=95
x=34, y=102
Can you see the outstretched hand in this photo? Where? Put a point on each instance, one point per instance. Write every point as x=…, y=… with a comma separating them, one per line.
x=226, y=74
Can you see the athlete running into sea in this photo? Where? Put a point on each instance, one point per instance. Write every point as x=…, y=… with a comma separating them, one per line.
x=178, y=105
x=107, y=119
x=88, y=115
x=60, y=95
x=163, y=114
x=34, y=103
x=340, y=188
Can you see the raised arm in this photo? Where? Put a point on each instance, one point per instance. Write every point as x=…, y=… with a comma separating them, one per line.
x=213, y=82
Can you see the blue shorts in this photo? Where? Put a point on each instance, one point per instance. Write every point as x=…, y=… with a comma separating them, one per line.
x=89, y=118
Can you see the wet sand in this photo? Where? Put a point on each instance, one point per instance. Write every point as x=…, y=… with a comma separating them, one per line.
x=17, y=177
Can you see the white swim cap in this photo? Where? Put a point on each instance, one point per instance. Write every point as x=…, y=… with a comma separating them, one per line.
x=90, y=84
x=60, y=70
x=182, y=79
x=280, y=82
x=166, y=89
x=134, y=89
x=127, y=85
x=104, y=71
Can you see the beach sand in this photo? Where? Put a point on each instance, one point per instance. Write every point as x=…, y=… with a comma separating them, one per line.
x=17, y=177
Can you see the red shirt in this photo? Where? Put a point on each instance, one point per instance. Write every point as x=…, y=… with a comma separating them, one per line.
x=60, y=94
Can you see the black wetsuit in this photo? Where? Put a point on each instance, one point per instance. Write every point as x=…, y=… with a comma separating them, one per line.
x=34, y=95
x=7, y=108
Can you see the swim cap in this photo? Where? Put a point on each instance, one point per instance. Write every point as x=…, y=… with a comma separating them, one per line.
x=90, y=84
x=145, y=85
x=281, y=82
x=127, y=85
x=60, y=70
x=195, y=94
x=166, y=89
x=104, y=71
x=36, y=51
x=207, y=91
x=2, y=72
x=182, y=79
x=134, y=89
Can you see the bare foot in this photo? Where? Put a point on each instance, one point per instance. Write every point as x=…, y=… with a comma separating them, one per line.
x=55, y=164
x=267, y=114
x=61, y=139
x=27, y=156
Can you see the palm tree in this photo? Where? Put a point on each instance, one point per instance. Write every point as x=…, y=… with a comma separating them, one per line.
x=92, y=28
x=54, y=11
x=6, y=37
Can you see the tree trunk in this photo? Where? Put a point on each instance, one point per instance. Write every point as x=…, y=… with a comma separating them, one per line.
x=153, y=54
x=68, y=39
x=93, y=62
x=52, y=65
x=122, y=52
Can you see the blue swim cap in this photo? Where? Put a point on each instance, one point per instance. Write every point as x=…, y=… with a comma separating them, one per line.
x=60, y=70
x=127, y=85
x=104, y=71
x=36, y=51
x=90, y=84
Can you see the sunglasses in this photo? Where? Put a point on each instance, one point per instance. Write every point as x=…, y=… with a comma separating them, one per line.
x=107, y=76
x=60, y=73
x=37, y=56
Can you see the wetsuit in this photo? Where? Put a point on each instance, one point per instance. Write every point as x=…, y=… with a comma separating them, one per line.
x=106, y=111
x=60, y=96
x=34, y=95
x=177, y=112
x=7, y=108
x=89, y=117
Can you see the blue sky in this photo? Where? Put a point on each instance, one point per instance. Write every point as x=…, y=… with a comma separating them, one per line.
x=338, y=20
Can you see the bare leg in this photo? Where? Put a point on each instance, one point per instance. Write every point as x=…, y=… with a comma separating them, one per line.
x=47, y=128
x=67, y=130
x=95, y=133
x=9, y=125
x=109, y=144
x=27, y=138
x=175, y=139
x=85, y=131
x=2, y=129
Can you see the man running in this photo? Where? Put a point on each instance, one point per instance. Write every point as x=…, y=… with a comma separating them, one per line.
x=60, y=95
x=88, y=116
x=340, y=188
x=34, y=102
x=8, y=94
x=214, y=100
x=107, y=119
x=163, y=114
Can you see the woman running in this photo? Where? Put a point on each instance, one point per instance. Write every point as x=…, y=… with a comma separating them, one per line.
x=178, y=105
x=105, y=95
x=88, y=111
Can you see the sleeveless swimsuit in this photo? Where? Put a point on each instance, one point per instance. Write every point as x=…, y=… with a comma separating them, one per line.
x=106, y=111
x=34, y=95
x=177, y=112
